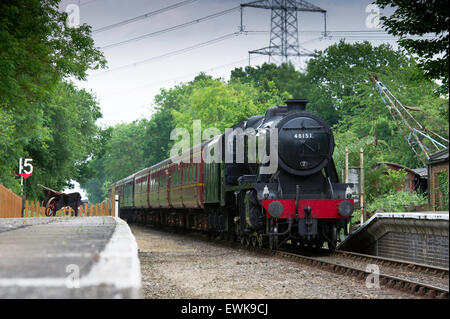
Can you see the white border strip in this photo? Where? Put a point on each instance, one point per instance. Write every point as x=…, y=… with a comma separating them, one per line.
x=431, y=216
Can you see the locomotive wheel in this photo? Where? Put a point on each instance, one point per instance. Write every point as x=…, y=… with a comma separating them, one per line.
x=273, y=242
x=261, y=241
x=50, y=207
x=333, y=237
x=254, y=241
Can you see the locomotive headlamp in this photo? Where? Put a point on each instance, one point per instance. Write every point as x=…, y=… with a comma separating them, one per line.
x=348, y=192
x=345, y=208
x=276, y=209
x=266, y=192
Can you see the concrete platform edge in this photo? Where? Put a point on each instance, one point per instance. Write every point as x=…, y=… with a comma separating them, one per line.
x=118, y=264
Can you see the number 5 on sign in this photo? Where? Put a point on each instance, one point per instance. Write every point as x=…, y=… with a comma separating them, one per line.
x=25, y=168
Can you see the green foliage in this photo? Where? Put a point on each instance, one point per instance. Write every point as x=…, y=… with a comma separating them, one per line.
x=443, y=188
x=385, y=181
x=400, y=201
x=221, y=105
x=42, y=115
x=364, y=112
x=125, y=154
x=417, y=17
x=120, y=154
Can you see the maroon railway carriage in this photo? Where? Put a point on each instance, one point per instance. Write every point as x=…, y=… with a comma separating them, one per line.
x=301, y=202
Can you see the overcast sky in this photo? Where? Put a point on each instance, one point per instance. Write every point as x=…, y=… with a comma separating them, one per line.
x=126, y=92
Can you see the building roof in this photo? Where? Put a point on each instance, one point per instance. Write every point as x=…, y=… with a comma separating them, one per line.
x=399, y=166
x=422, y=172
x=439, y=157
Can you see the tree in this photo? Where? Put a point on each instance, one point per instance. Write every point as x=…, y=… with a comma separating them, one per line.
x=335, y=73
x=69, y=119
x=221, y=105
x=125, y=152
x=38, y=53
x=96, y=184
x=417, y=17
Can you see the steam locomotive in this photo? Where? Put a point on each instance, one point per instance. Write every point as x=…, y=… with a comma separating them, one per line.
x=299, y=201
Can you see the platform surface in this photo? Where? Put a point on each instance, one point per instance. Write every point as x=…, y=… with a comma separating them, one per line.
x=68, y=257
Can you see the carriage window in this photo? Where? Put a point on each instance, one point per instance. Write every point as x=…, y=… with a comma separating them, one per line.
x=187, y=175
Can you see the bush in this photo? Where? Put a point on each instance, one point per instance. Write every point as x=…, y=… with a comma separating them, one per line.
x=397, y=202
x=443, y=188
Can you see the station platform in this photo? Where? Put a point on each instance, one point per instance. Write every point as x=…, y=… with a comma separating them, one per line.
x=419, y=237
x=68, y=257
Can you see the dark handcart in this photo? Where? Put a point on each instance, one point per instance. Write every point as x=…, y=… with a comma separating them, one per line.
x=54, y=201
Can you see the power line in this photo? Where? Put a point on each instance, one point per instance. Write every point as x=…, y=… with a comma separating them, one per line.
x=153, y=84
x=183, y=25
x=196, y=73
x=143, y=16
x=85, y=3
x=153, y=59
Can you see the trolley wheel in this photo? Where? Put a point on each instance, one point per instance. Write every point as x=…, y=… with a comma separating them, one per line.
x=50, y=207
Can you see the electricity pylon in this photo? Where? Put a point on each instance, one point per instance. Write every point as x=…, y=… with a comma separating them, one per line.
x=284, y=27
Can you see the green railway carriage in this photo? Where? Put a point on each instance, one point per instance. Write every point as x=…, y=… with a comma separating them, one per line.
x=125, y=189
x=140, y=188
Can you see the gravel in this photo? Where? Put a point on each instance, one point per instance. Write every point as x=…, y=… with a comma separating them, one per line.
x=184, y=266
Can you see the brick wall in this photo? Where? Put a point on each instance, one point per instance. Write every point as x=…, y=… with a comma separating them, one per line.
x=419, y=248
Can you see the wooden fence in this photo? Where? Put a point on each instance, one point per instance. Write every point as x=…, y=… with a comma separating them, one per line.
x=10, y=204
x=34, y=209
x=11, y=207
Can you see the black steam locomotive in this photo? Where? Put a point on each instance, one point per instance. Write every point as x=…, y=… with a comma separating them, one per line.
x=290, y=195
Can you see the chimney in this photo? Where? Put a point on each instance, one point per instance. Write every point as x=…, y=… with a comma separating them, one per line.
x=296, y=104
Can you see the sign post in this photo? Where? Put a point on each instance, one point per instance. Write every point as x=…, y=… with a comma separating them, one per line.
x=24, y=174
x=116, y=206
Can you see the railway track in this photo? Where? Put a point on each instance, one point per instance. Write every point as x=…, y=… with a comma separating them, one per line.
x=389, y=262
x=414, y=278
x=417, y=279
x=396, y=282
